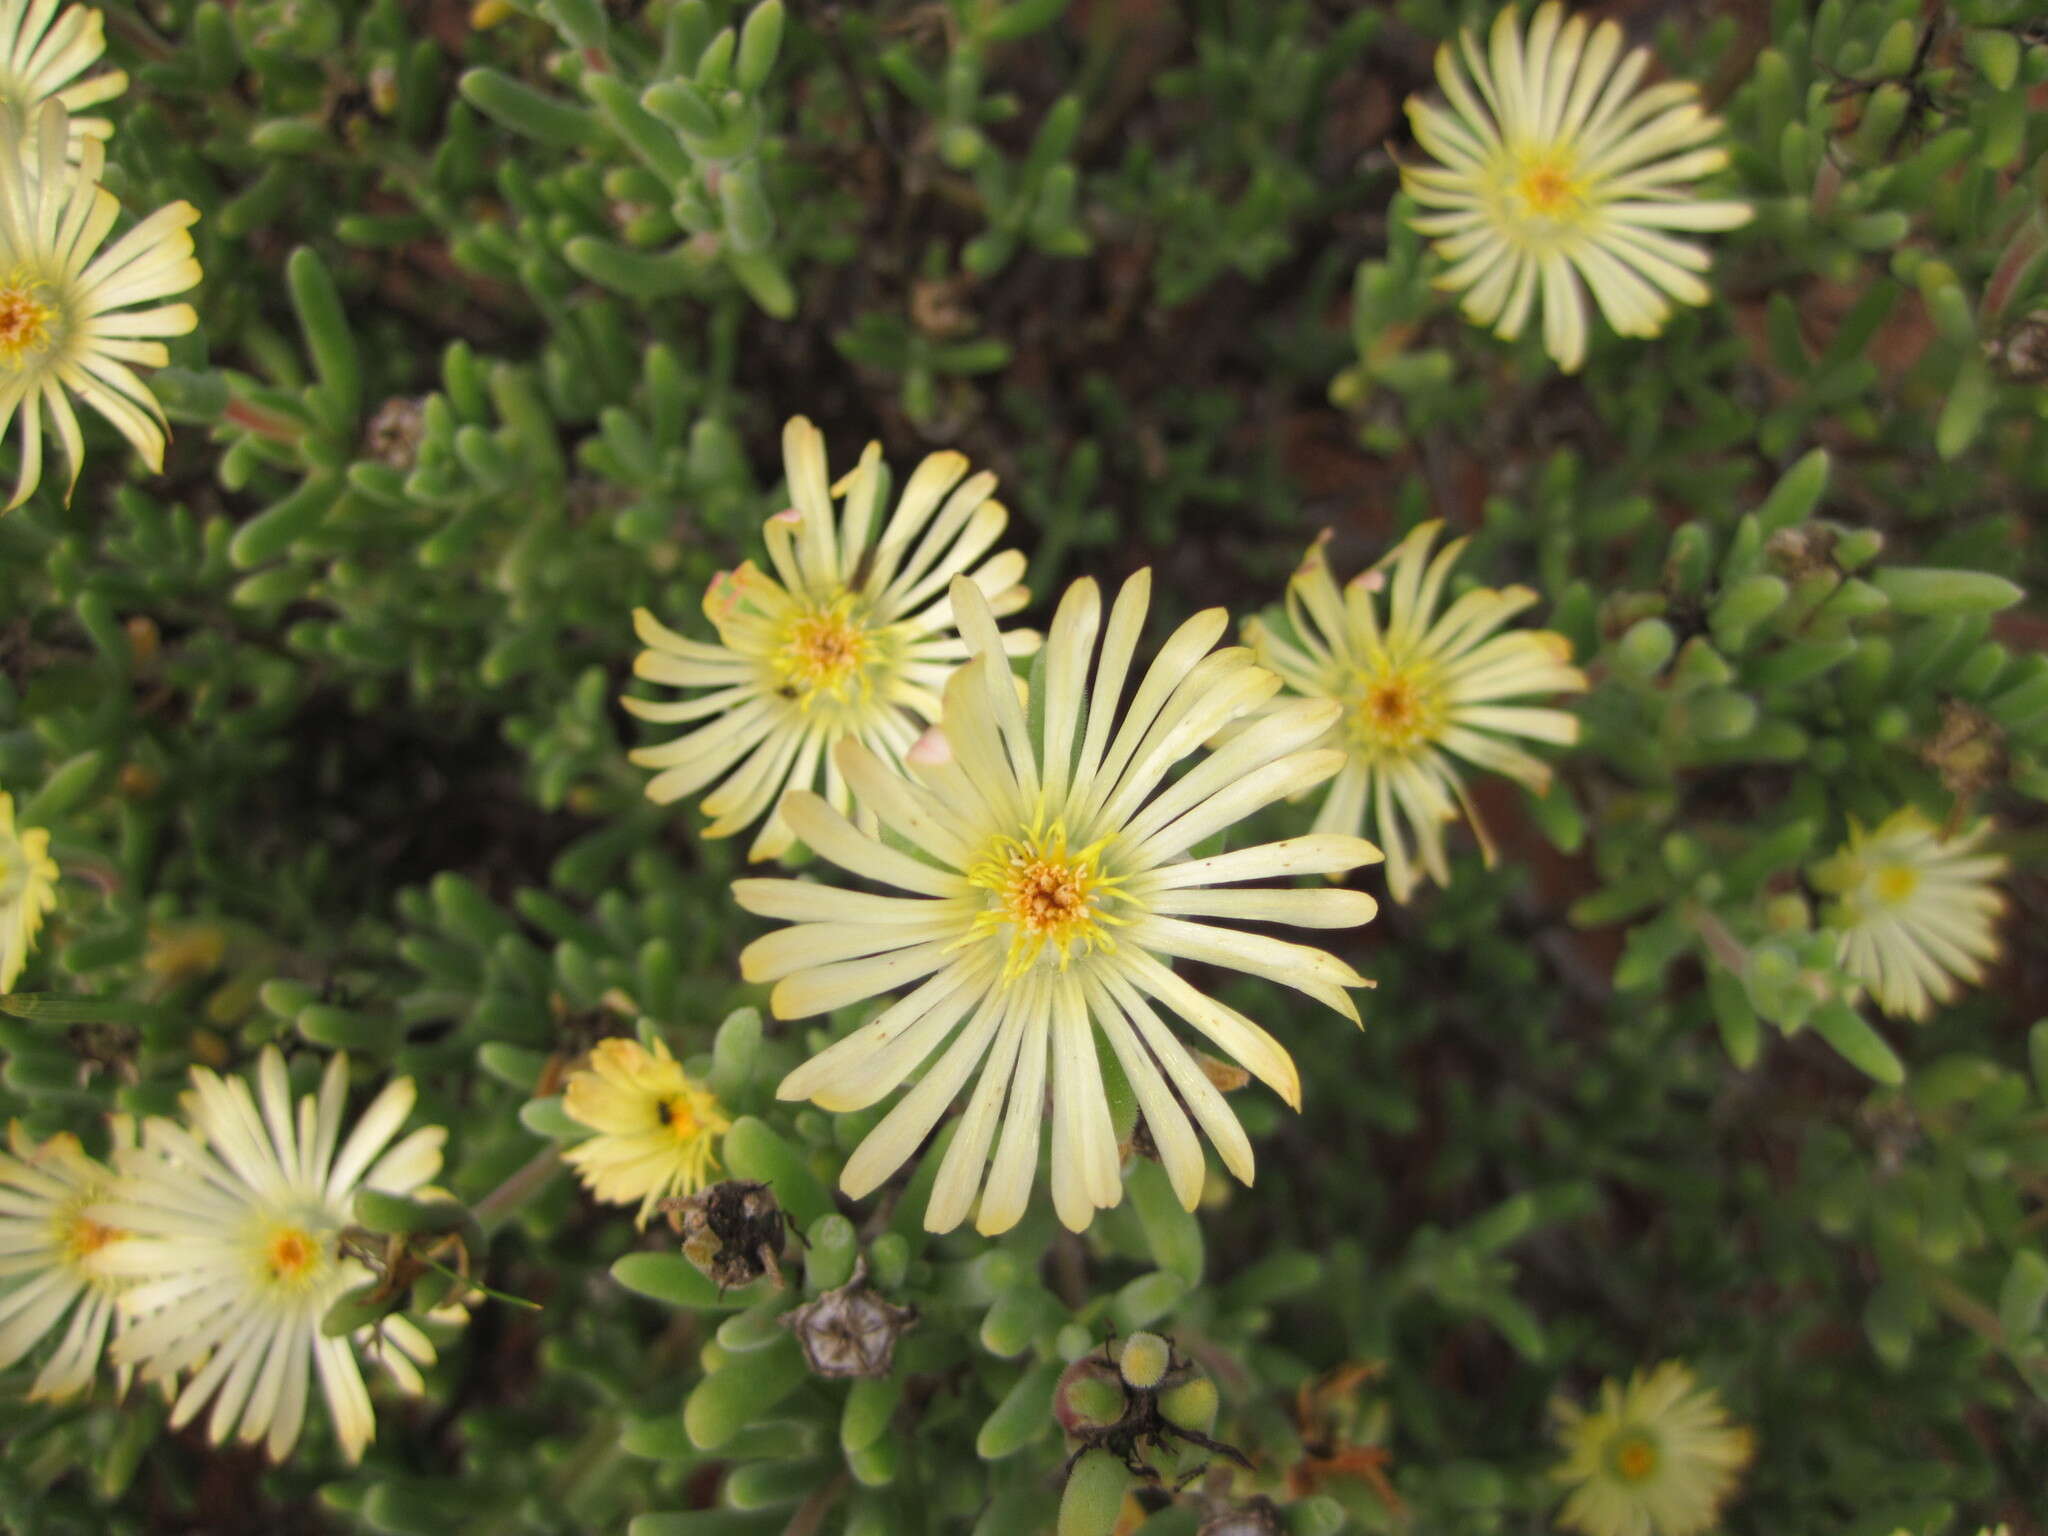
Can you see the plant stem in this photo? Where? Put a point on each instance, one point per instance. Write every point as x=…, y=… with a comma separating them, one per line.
x=522, y=1185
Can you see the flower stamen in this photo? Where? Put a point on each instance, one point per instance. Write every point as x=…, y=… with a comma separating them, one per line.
x=291, y=1257
x=1395, y=710
x=24, y=322
x=825, y=654
x=1549, y=191
x=84, y=1237
x=1046, y=894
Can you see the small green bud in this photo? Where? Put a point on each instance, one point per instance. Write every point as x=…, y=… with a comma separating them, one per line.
x=1093, y=1400
x=1647, y=646
x=1720, y=714
x=1143, y=1360
x=760, y=40
x=1996, y=55
x=1094, y=1496
x=1788, y=912
x=1857, y=1043
x=357, y=1308
x=1915, y=590
x=1192, y=1404
x=1857, y=547
x=2023, y=1295
x=1743, y=605
x=1699, y=665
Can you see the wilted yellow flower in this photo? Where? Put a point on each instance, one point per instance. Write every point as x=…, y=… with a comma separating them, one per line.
x=1917, y=915
x=1558, y=175
x=1418, y=692
x=1050, y=890
x=851, y=638
x=65, y=325
x=28, y=890
x=52, y=1263
x=42, y=52
x=656, y=1127
x=1658, y=1457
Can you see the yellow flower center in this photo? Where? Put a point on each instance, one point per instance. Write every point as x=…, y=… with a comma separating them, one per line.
x=1635, y=1458
x=1395, y=711
x=292, y=1256
x=1546, y=190
x=824, y=653
x=1894, y=883
x=24, y=321
x=1046, y=894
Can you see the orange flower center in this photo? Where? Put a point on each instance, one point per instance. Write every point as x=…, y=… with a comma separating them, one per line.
x=84, y=1237
x=291, y=1254
x=1045, y=893
x=1635, y=1459
x=1395, y=711
x=1546, y=189
x=24, y=322
x=679, y=1117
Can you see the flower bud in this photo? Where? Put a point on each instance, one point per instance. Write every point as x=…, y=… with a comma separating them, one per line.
x=1190, y=1405
x=1143, y=1361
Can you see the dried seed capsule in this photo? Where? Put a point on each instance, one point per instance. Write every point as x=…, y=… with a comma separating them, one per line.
x=733, y=1232
x=850, y=1331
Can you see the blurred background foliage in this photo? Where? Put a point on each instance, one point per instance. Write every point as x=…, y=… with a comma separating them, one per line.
x=504, y=307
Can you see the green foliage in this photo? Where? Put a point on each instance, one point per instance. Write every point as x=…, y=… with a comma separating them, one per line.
x=503, y=309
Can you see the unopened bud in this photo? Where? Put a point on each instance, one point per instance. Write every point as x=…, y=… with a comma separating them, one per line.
x=1144, y=1360
x=1191, y=1405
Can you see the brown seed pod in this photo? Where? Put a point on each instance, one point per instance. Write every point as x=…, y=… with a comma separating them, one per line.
x=732, y=1231
x=1258, y=1517
x=850, y=1332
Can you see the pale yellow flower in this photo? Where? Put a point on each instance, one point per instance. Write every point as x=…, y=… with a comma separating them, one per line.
x=28, y=890
x=67, y=325
x=1553, y=174
x=1050, y=891
x=657, y=1127
x=1917, y=914
x=851, y=638
x=1418, y=692
x=1658, y=1457
x=52, y=1256
x=234, y=1252
x=43, y=50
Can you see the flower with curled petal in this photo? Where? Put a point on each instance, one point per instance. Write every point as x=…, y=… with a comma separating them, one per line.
x=234, y=1251
x=1553, y=174
x=851, y=638
x=1419, y=690
x=1051, y=889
